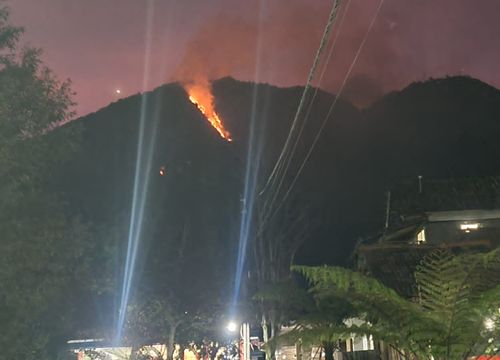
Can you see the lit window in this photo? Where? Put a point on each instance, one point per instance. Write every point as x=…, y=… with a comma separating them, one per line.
x=468, y=227
x=421, y=237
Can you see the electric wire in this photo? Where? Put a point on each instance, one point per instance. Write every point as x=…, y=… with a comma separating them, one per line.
x=323, y=43
x=308, y=112
x=330, y=110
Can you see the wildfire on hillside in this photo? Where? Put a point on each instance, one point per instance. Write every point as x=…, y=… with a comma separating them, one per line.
x=201, y=95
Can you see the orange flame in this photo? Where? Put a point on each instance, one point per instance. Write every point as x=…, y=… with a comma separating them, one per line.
x=201, y=95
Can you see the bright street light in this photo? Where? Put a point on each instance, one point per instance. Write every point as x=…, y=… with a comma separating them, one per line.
x=232, y=326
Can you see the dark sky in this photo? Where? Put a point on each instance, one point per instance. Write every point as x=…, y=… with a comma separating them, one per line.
x=102, y=45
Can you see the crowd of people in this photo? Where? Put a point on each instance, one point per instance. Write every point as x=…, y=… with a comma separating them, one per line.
x=207, y=350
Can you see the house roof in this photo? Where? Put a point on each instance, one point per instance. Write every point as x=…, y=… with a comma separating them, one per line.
x=463, y=215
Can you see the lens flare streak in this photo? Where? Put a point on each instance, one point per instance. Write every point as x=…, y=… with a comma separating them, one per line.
x=254, y=151
x=141, y=180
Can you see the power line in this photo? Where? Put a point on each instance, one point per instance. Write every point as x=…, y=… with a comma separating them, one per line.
x=309, y=108
x=283, y=155
x=330, y=110
x=324, y=41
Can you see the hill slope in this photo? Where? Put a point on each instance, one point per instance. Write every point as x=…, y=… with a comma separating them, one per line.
x=443, y=127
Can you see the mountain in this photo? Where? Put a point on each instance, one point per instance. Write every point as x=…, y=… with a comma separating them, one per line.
x=440, y=127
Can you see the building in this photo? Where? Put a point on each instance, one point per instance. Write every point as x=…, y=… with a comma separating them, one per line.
x=88, y=349
x=460, y=215
x=423, y=215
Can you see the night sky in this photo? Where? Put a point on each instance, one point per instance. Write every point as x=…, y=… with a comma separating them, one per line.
x=102, y=44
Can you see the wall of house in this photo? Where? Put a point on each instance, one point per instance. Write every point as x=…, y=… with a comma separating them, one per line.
x=449, y=232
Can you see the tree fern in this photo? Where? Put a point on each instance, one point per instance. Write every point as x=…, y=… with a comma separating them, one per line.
x=456, y=295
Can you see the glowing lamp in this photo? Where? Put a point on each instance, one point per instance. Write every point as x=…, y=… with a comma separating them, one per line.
x=232, y=326
x=469, y=227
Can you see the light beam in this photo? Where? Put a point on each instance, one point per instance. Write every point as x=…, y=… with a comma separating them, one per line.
x=251, y=172
x=141, y=180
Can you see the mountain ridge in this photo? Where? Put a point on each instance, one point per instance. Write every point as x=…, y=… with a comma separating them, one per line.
x=358, y=155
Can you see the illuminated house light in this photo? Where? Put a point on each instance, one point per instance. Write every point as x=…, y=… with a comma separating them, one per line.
x=469, y=227
x=83, y=341
x=421, y=237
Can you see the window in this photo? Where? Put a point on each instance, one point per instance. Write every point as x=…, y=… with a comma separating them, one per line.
x=468, y=227
x=421, y=237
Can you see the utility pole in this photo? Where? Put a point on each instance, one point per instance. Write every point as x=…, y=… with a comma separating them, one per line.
x=245, y=336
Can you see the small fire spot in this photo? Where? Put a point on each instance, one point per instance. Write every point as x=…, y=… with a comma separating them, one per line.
x=163, y=171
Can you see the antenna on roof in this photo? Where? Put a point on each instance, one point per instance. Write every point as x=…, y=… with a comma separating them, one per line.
x=387, y=209
x=420, y=187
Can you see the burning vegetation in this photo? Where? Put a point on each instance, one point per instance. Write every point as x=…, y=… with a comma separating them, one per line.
x=201, y=95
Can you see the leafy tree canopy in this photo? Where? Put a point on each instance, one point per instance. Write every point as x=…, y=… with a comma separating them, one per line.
x=44, y=251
